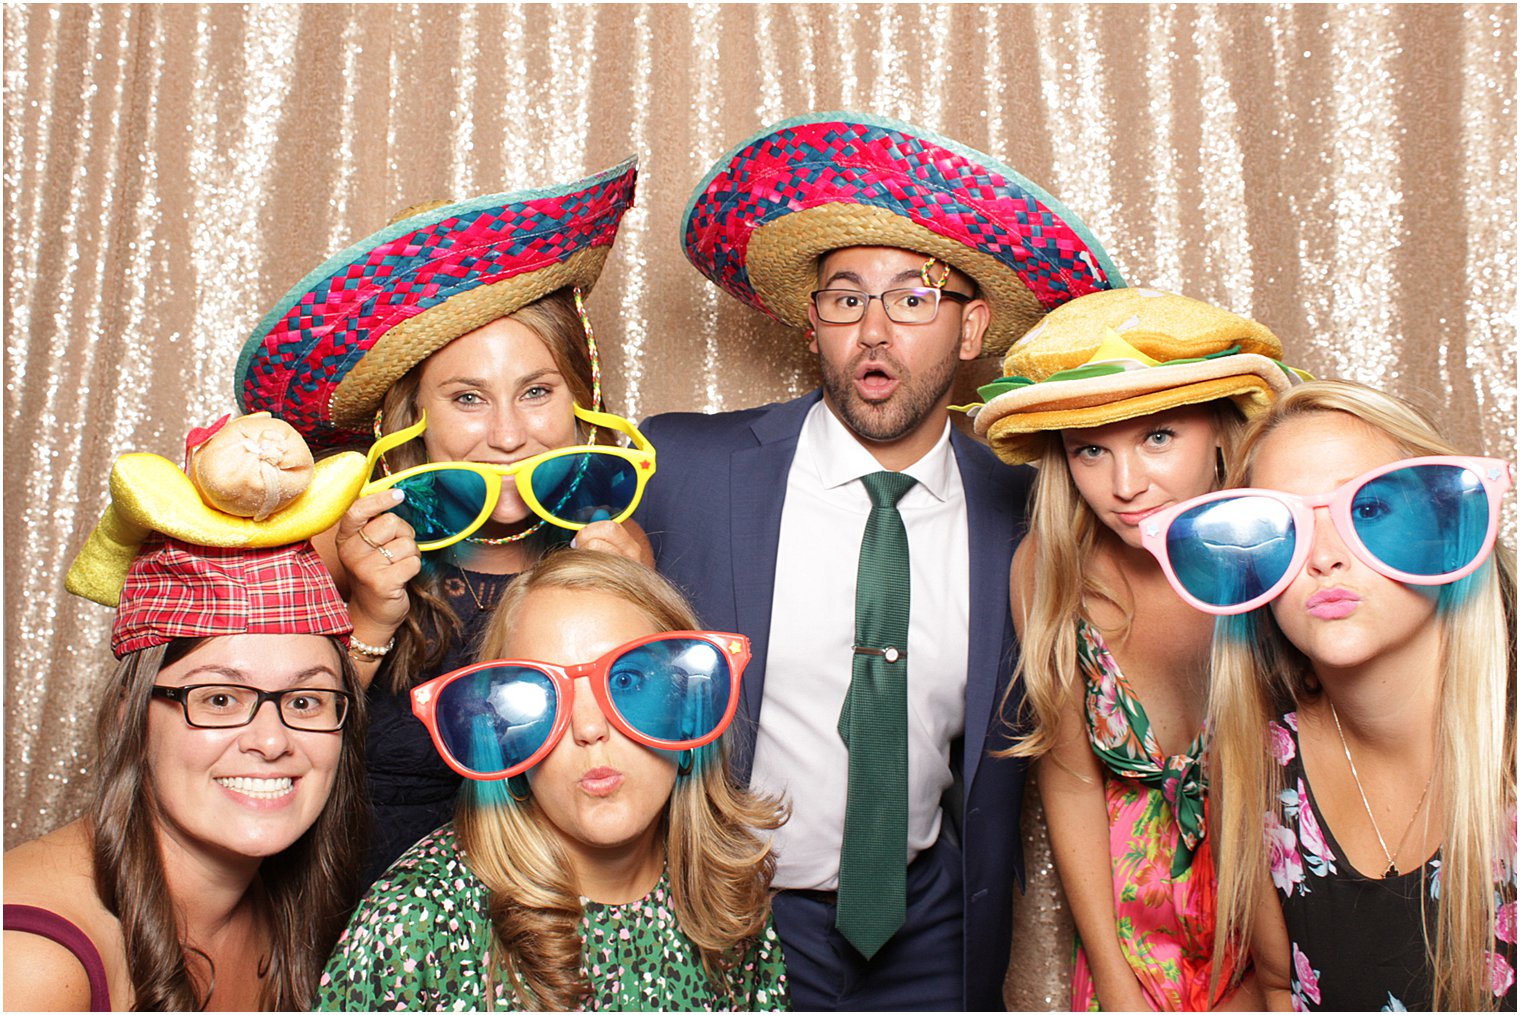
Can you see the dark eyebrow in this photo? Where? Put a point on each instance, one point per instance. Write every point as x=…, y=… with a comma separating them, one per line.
x=845, y=275
x=229, y=675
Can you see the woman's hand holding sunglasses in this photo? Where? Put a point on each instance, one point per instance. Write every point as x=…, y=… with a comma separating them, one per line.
x=380, y=555
x=626, y=539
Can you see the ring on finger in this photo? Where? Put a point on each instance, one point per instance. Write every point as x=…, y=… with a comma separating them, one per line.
x=389, y=557
x=365, y=536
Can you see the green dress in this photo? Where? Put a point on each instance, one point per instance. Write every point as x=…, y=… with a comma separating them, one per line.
x=421, y=939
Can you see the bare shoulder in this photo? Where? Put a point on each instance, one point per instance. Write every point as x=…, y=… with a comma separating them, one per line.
x=55, y=873
x=1021, y=583
x=42, y=975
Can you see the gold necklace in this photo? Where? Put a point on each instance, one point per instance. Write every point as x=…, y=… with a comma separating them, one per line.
x=480, y=607
x=1393, y=870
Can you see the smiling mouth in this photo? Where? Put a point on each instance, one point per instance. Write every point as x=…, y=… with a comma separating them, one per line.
x=259, y=789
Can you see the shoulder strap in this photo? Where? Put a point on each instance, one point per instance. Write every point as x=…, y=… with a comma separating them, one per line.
x=45, y=923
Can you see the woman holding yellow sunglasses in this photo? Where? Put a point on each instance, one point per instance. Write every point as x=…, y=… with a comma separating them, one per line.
x=456, y=339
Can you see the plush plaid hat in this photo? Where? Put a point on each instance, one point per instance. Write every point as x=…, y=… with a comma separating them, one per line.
x=759, y=221
x=324, y=357
x=177, y=590
x=1122, y=354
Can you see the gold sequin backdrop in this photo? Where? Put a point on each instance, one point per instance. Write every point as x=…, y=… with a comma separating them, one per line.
x=1345, y=175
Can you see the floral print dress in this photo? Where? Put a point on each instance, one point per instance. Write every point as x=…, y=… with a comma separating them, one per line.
x=1358, y=944
x=421, y=941
x=1165, y=887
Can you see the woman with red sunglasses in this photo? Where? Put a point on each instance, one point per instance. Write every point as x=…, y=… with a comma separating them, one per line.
x=1129, y=400
x=600, y=857
x=1370, y=719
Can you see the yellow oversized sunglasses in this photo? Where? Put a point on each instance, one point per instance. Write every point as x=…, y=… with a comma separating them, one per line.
x=570, y=487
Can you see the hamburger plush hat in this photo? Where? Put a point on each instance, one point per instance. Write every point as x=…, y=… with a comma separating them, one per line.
x=221, y=547
x=759, y=221
x=324, y=357
x=1116, y=355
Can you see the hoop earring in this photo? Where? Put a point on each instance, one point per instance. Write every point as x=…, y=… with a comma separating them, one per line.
x=519, y=782
x=1220, y=470
x=684, y=768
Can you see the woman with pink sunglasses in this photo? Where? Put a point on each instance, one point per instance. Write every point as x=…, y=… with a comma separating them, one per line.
x=601, y=857
x=1130, y=401
x=1363, y=701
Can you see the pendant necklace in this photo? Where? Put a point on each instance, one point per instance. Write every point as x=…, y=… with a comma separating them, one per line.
x=1392, y=871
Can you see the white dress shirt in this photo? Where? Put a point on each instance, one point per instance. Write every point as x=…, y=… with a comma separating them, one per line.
x=798, y=751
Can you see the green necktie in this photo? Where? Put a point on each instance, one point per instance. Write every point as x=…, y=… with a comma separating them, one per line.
x=874, y=726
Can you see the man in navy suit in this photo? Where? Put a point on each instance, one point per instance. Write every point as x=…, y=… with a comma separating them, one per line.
x=759, y=515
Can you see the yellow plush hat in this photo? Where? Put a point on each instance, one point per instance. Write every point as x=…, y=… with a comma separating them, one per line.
x=150, y=494
x=1115, y=355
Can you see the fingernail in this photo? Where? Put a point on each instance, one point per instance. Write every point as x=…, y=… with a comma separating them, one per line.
x=397, y=494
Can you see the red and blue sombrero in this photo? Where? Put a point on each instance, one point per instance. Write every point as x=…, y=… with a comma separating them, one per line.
x=757, y=224
x=324, y=357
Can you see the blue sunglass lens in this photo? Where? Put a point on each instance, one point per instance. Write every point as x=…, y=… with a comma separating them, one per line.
x=496, y=718
x=584, y=487
x=441, y=503
x=676, y=689
x=1425, y=520
x=1228, y=552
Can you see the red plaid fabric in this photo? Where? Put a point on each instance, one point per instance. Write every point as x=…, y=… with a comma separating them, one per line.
x=176, y=590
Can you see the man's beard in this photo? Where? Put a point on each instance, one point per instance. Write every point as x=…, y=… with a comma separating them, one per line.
x=915, y=398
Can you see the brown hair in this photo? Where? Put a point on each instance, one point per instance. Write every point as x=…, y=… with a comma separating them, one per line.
x=431, y=628
x=303, y=893
x=720, y=870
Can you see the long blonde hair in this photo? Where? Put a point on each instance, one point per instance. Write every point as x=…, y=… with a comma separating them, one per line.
x=1064, y=533
x=720, y=869
x=1258, y=675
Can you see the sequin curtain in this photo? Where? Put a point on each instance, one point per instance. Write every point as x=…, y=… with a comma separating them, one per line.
x=1344, y=174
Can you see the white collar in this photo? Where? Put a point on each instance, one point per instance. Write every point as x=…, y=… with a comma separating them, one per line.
x=841, y=458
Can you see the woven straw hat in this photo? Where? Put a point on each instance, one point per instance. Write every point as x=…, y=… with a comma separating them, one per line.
x=324, y=357
x=759, y=221
x=1117, y=355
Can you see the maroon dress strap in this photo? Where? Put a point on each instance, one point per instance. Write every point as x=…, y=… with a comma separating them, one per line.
x=45, y=923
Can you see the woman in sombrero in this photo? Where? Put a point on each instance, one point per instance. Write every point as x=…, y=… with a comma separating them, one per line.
x=1129, y=401
x=458, y=335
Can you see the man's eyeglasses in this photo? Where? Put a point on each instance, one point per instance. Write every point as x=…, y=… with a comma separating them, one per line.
x=918, y=305
x=226, y=706
x=570, y=487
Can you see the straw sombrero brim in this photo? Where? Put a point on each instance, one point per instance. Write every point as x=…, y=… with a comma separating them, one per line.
x=757, y=224
x=324, y=356
x=1012, y=421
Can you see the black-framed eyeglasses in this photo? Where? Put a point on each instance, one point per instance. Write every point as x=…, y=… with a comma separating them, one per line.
x=918, y=305
x=225, y=706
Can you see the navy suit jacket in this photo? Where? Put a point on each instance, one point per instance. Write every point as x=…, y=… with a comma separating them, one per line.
x=713, y=514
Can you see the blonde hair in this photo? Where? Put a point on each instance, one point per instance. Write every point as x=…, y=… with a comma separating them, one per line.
x=720, y=869
x=1258, y=675
x=1064, y=533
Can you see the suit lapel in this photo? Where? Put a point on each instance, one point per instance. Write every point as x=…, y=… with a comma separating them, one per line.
x=757, y=491
x=990, y=521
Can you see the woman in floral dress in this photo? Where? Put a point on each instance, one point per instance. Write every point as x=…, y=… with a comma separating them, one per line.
x=1369, y=717
x=585, y=868
x=1113, y=397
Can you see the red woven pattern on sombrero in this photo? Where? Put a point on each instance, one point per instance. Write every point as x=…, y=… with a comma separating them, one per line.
x=176, y=590
x=814, y=164
x=312, y=347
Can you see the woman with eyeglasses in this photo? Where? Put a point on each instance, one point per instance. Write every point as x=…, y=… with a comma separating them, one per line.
x=214, y=865
x=1363, y=705
x=456, y=338
x=601, y=857
x=1129, y=400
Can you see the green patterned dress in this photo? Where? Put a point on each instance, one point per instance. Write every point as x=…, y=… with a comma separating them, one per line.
x=420, y=939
